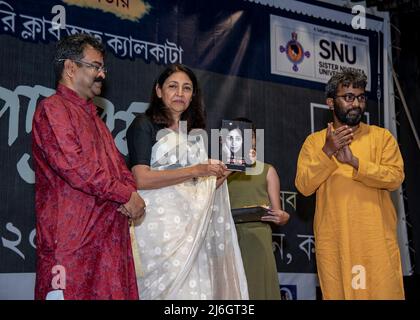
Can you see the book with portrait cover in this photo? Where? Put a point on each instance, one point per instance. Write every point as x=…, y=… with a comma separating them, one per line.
x=233, y=149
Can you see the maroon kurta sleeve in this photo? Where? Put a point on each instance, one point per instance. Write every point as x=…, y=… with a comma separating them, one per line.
x=56, y=137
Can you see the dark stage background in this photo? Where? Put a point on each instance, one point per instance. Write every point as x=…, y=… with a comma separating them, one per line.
x=231, y=45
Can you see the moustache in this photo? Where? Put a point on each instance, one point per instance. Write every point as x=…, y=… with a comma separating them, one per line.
x=358, y=109
x=99, y=79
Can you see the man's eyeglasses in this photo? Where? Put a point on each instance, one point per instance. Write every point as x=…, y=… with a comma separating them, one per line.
x=349, y=97
x=89, y=65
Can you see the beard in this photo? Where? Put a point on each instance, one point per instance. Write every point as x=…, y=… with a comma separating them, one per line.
x=351, y=117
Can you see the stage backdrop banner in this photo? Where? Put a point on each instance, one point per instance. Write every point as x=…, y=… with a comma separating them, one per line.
x=235, y=48
x=315, y=53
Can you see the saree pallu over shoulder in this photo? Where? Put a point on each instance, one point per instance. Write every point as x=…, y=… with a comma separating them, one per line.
x=187, y=241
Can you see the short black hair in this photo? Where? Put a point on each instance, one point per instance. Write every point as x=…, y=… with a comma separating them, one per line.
x=72, y=48
x=346, y=77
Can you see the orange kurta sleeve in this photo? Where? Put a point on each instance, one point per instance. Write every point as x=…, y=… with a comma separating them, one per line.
x=314, y=166
x=388, y=172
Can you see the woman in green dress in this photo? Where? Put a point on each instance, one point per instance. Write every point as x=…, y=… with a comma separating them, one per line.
x=255, y=238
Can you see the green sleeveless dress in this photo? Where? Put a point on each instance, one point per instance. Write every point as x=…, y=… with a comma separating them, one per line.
x=255, y=237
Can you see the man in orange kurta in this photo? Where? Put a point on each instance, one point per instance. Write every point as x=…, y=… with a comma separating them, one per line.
x=352, y=167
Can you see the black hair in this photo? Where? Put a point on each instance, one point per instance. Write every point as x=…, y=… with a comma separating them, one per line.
x=194, y=114
x=72, y=48
x=346, y=78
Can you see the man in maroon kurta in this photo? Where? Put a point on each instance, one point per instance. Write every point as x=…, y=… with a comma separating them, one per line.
x=84, y=192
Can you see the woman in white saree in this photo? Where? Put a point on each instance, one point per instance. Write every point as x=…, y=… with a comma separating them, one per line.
x=187, y=241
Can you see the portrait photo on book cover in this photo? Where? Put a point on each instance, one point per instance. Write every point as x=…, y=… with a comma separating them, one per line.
x=236, y=144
